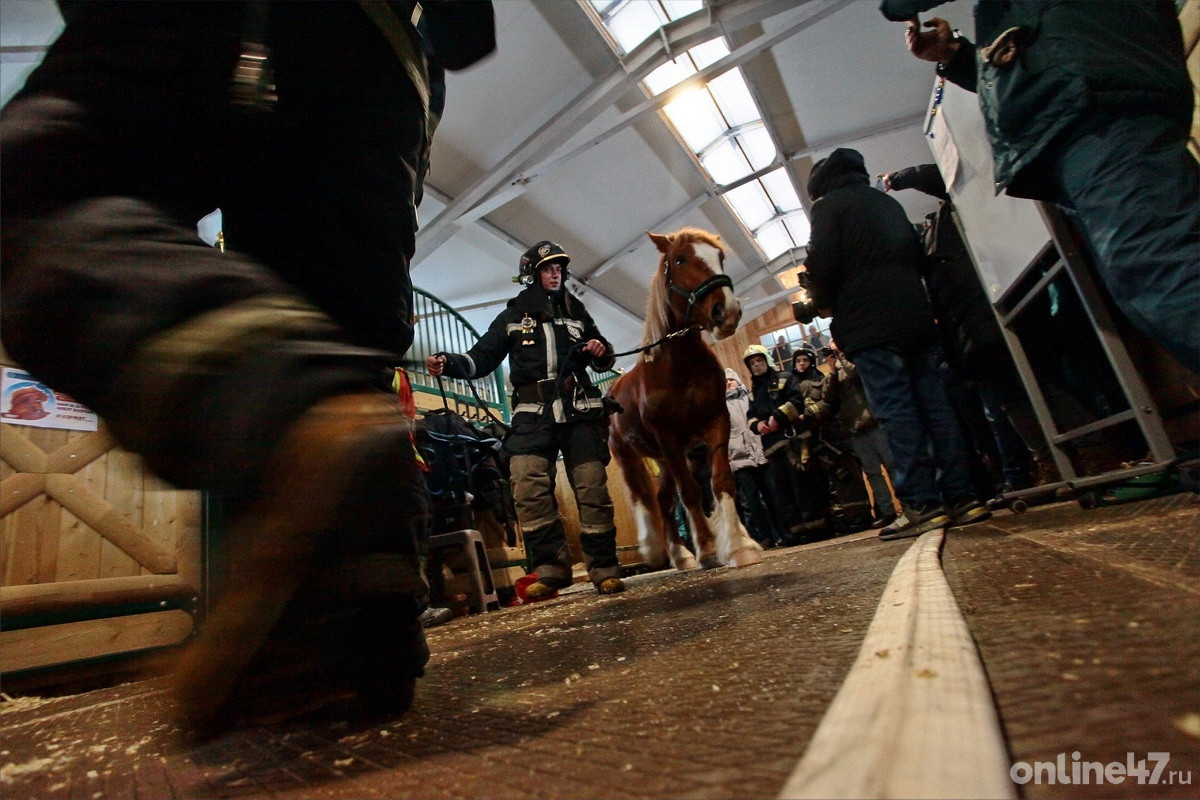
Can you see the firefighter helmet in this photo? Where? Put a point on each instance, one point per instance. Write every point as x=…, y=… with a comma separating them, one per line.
x=758, y=350
x=804, y=351
x=539, y=254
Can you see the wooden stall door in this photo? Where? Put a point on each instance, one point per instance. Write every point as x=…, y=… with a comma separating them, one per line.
x=98, y=557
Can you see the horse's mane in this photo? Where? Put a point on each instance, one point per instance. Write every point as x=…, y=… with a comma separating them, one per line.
x=658, y=304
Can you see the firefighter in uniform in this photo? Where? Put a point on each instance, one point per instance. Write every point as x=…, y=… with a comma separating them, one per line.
x=777, y=414
x=550, y=339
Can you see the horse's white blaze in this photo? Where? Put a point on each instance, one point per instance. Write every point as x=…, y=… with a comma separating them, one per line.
x=730, y=300
x=710, y=255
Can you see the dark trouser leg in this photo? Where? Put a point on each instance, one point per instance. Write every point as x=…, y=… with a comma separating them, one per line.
x=537, y=510
x=750, y=506
x=763, y=500
x=600, y=555
x=1014, y=454
x=1134, y=189
x=890, y=393
x=945, y=435
x=585, y=453
x=546, y=548
x=781, y=484
x=871, y=448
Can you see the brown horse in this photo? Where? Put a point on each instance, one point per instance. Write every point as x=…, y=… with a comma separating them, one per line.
x=675, y=413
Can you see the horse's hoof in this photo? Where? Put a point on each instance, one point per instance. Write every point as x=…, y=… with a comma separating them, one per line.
x=656, y=561
x=710, y=562
x=745, y=557
x=687, y=563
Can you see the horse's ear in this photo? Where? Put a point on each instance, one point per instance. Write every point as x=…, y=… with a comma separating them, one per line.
x=660, y=241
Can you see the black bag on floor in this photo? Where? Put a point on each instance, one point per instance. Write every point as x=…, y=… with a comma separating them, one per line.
x=465, y=474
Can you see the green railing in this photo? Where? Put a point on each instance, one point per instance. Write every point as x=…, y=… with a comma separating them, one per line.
x=440, y=328
x=604, y=379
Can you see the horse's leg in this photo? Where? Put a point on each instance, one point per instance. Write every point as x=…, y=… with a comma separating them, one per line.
x=681, y=556
x=734, y=545
x=693, y=504
x=700, y=466
x=652, y=542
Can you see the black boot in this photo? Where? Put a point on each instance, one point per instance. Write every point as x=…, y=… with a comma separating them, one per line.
x=600, y=558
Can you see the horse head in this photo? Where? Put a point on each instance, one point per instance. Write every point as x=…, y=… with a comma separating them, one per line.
x=690, y=286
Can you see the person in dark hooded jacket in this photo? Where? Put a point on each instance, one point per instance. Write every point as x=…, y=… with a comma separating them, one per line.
x=863, y=262
x=549, y=339
x=1088, y=106
x=973, y=343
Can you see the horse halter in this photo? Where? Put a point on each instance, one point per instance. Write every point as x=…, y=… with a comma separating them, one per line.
x=703, y=290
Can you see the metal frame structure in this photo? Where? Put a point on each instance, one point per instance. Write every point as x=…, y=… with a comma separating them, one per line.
x=1062, y=255
x=441, y=328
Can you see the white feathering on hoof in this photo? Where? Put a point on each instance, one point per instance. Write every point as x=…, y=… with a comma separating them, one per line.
x=734, y=545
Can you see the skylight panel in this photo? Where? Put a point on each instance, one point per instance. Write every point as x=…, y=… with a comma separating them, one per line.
x=779, y=186
x=733, y=98
x=681, y=8
x=685, y=66
x=695, y=116
x=726, y=162
x=800, y=228
x=669, y=74
x=774, y=239
x=759, y=148
x=751, y=204
x=719, y=122
x=633, y=23
x=710, y=52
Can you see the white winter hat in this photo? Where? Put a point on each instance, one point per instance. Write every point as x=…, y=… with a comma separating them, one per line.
x=729, y=373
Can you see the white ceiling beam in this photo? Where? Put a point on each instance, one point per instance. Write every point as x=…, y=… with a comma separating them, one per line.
x=633, y=244
x=520, y=247
x=789, y=259
x=569, y=120
x=716, y=19
x=861, y=135
x=796, y=23
x=771, y=298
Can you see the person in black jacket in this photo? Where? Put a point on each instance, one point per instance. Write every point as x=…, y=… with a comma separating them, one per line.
x=863, y=264
x=1089, y=106
x=549, y=339
x=973, y=343
x=259, y=373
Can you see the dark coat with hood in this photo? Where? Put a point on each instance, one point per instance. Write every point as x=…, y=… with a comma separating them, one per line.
x=964, y=315
x=538, y=332
x=864, y=258
x=1073, y=57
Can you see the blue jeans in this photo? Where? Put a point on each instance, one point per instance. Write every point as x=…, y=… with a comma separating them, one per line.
x=906, y=395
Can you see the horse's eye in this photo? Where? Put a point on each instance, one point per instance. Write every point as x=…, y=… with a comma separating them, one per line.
x=680, y=260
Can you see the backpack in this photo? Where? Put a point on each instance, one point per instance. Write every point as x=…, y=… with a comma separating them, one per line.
x=465, y=473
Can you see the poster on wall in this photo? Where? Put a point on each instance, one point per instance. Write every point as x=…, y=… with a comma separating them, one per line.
x=25, y=401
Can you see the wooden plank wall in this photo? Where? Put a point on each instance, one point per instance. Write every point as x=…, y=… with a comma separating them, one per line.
x=86, y=528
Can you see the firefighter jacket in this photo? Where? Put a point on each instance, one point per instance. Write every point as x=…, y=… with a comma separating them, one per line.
x=540, y=333
x=778, y=395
